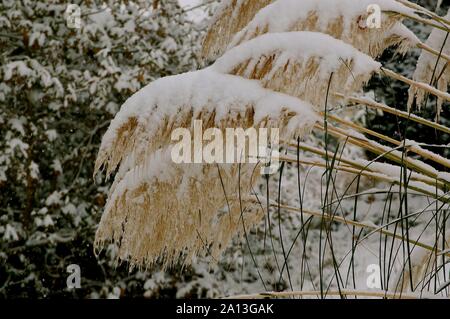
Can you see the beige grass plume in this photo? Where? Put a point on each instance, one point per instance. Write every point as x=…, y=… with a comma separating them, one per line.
x=171, y=213
x=231, y=17
x=300, y=64
x=342, y=19
x=161, y=211
x=147, y=119
x=425, y=265
x=431, y=70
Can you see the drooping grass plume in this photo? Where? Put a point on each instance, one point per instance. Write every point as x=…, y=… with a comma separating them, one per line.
x=160, y=211
x=147, y=119
x=171, y=213
x=424, y=268
x=300, y=64
x=401, y=38
x=230, y=18
x=343, y=19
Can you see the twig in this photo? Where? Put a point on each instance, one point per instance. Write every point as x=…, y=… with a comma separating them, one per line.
x=426, y=87
x=379, y=106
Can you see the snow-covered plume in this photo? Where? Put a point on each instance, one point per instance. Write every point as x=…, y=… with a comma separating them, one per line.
x=300, y=64
x=430, y=70
x=230, y=17
x=159, y=210
x=167, y=212
x=342, y=19
x=147, y=119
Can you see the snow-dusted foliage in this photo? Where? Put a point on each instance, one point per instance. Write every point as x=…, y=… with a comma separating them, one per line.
x=59, y=87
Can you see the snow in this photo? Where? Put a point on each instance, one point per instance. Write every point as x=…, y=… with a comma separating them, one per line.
x=10, y=233
x=437, y=36
x=393, y=173
x=415, y=146
x=298, y=45
x=197, y=14
x=199, y=90
x=444, y=176
x=3, y=174
x=155, y=169
x=34, y=170
x=49, y=121
x=282, y=14
x=44, y=222
x=401, y=30
x=37, y=37
x=20, y=67
x=423, y=166
x=17, y=124
x=169, y=45
x=54, y=199
x=22, y=146
x=443, y=286
x=51, y=135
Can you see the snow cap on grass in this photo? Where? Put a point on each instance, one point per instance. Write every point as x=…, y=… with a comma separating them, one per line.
x=231, y=17
x=401, y=37
x=158, y=210
x=300, y=64
x=147, y=119
x=342, y=19
x=429, y=69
